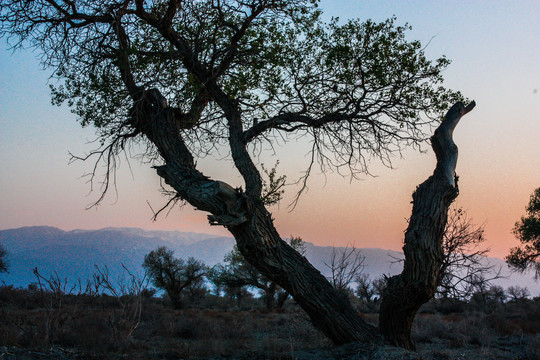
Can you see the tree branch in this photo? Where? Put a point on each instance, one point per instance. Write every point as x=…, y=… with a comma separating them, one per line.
x=232, y=49
x=443, y=144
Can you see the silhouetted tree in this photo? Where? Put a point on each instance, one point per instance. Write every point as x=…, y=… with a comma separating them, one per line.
x=370, y=291
x=230, y=286
x=487, y=296
x=516, y=292
x=236, y=273
x=184, y=79
x=528, y=232
x=174, y=275
x=345, y=265
x=3, y=261
x=465, y=261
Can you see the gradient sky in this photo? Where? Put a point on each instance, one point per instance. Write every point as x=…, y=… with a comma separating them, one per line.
x=495, y=51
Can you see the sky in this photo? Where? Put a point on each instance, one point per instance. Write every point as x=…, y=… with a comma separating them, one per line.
x=495, y=51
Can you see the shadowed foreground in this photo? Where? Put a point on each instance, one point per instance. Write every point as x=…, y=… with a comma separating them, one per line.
x=38, y=325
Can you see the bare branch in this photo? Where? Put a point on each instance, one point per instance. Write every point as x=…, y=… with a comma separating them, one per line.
x=346, y=265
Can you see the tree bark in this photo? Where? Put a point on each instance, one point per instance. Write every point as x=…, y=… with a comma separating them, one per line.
x=330, y=311
x=405, y=293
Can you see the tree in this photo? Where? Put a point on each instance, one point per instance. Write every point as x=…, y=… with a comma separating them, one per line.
x=487, y=296
x=3, y=262
x=345, y=265
x=235, y=290
x=517, y=293
x=528, y=232
x=464, y=260
x=184, y=78
x=236, y=273
x=370, y=291
x=174, y=275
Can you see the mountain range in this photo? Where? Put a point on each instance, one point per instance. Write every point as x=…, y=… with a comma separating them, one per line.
x=74, y=254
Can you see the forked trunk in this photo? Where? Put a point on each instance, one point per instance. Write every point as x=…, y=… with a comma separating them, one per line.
x=416, y=285
x=257, y=239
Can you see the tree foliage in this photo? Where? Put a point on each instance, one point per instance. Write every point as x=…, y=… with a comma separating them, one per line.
x=527, y=231
x=273, y=187
x=174, y=275
x=355, y=89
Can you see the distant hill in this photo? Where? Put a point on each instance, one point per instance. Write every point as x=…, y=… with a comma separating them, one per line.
x=73, y=254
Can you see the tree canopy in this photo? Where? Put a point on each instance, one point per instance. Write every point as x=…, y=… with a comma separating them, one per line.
x=174, y=274
x=527, y=230
x=354, y=89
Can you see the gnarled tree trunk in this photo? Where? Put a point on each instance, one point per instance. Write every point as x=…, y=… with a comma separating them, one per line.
x=252, y=226
x=330, y=311
x=405, y=293
x=259, y=242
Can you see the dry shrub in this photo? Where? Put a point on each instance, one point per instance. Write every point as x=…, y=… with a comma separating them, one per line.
x=444, y=306
x=453, y=331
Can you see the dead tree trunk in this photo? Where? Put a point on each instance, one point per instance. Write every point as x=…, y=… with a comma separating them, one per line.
x=405, y=293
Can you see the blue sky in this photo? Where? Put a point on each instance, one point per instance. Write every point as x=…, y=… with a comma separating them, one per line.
x=495, y=51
